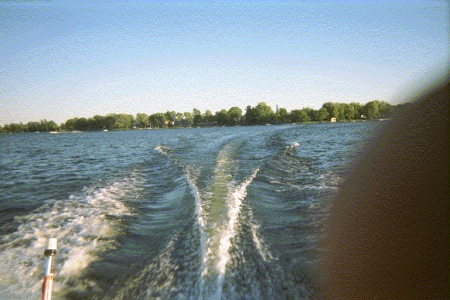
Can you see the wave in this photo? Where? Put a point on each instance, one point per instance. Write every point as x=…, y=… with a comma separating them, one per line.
x=176, y=271
x=218, y=209
x=201, y=222
x=206, y=257
x=235, y=202
x=86, y=224
x=161, y=149
x=226, y=213
x=293, y=145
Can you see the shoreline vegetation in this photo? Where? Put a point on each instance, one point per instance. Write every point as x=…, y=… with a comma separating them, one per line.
x=261, y=114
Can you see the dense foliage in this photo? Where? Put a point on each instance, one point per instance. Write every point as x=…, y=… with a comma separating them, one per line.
x=259, y=115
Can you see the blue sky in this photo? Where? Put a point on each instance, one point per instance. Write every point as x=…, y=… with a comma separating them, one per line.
x=64, y=59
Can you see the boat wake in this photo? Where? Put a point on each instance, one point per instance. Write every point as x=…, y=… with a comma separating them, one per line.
x=230, y=213
x=198, y=258
x=86, y=225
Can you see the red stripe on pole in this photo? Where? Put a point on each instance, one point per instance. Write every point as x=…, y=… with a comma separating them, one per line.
x=47, y=287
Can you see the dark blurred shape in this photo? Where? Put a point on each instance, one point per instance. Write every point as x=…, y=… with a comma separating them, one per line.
x=389, y=226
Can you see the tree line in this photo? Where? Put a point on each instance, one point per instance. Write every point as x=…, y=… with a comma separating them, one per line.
x=259, y=115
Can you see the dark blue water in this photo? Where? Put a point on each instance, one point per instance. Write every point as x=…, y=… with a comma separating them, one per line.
x=216, y=213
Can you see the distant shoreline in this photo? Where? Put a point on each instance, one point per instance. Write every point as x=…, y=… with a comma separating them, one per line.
x=192, y=127
x=262, y=114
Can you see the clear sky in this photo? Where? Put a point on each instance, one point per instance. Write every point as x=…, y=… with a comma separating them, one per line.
x=65, y=59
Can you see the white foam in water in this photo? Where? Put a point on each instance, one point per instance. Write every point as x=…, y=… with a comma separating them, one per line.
x=201, y=222
x=199, y=211
x=162, y=149
x=259, y=242
x=234, y=208
x=215, y=237
x=294, y=145
x=83, y=230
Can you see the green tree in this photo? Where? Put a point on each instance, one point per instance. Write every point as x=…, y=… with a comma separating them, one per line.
x=311, y=113
x=333, y=109
x=43, y=126
x=300, y=116
x=283, y=116
x=157, y=120
x=188, y=118
x=108, y=122
x=197, y=117
x=15, y=127
x=264, y=113
x=222, y=117
x=33, y=126
x=260, y=114
x=322, y=114
x=82, y=124
x=341, y=111
x=70, y=124
x=348, y=111
x=295, y=115
x=96, y=123
x=359, y=110
x=142, y=120
x=371, y=109
x=234, y=115
x=52, y=126
x=122, y=121
x=170, y=117
x=208, y=117
x=178, y=118
x=250, y=116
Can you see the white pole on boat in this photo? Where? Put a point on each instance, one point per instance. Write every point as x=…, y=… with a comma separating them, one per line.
x=48, y=279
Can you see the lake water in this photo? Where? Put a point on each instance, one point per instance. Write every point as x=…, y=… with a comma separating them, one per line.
x=213, y=213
